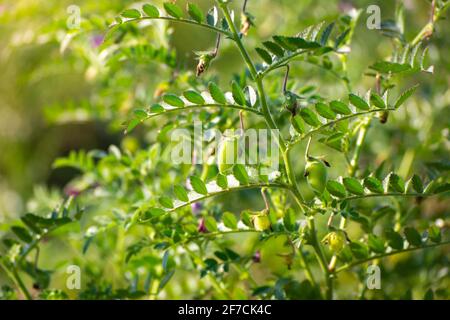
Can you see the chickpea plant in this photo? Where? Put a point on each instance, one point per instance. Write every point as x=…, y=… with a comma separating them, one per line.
x=165, y=223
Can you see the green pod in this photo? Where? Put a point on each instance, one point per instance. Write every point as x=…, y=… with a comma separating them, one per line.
x=261, y=222
x=335, y=240
x=204, y=61
x=228, y=153
x=290, y=102
x=316, y=175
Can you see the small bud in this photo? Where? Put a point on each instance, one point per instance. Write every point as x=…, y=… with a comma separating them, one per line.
x=257, y=257
x=384, y=117
x=72, y=191
x=204, y=61
x=261, y=221
x=290, y=102
x=161, y=89
x=246, y=22
x=335, y=240
x=196, y=207
x=316, y=175
x=201, y=226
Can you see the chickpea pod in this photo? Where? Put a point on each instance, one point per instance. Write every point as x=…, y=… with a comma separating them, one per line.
x=228, y=153
x=316, y=174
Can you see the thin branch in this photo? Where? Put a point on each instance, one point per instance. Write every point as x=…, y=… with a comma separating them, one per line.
x=266, y=201
x=244, y=7
x=286, y=76
x=187, y=21
x=216, y=48
x=241, y=121
x=390, y=194
x=231, y=106
x=380, y=256
x=15, y=277
x=224, y=191
x=330, y=123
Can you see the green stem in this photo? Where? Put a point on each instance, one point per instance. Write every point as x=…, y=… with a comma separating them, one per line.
x=264, y=106
x=348, y=266
x=308, y=272
x=170, y=19
x=321, y=258
x=333, y=122
x=359, y=144
x=15, y=277
x=211, y=105
x=282, y=145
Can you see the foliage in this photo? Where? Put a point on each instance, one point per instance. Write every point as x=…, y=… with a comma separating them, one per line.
x=141, y=226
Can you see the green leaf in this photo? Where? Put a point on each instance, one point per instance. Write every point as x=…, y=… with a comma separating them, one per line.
x=396, y=183
x=131, y=14
x=353, y=186
x=210, y=224
x=441, y=188
x=31, y=222
x=154, y=212
x=264, y=55
x=289, y=220
x=405, y=96
x=165, y=260
x=310, y=117
x=150, y=10
x=417, y=184
x=194, y=97
x=157, y=108
x=238, y=94
x=222, y=181
x=22, y=234
x=298, y=124
x=240, y=174
x=337, y=141
x=326, y=34
x=324, y=111
x=198, y=185
x=374, y=185
x=173, y=100
x=336, y=189
x=341, y=39
x=229, y=220
x=295, y=43
x=413, y=237
x=212, y=17
x=221, y=255
x=166, y=202
x=395, y=240
x=274, y=48
x=377, y=101
x=359, y=250
x=165, y=279
x=195, y=12
x=340, y=107
x=173, y=10
x=140, y=114
x=216, y=93
x=358, y=102
x=434, y=233
x=132, y=124
x=181, y=193
x=429, y=295
x=390, y=67
x=375, y=244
